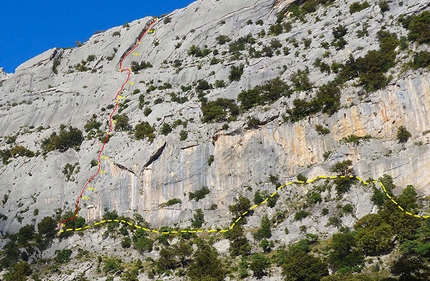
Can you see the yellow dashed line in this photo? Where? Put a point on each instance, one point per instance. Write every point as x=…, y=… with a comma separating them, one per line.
x=243, y=214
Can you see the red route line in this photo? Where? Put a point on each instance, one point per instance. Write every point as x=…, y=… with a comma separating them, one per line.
x=62, y=222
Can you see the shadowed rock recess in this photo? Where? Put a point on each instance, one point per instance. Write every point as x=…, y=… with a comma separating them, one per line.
x=226, y=101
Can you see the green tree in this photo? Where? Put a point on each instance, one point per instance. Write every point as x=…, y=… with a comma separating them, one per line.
x=298, y=264
x=264, y=231
x=47, y=227
x=144, y=130
x=241, y=205
x=206, y=265
x=419, y=28
x=239, y=244
x=345, y=255
x=121, y=122
x=236, y=73
x=374, y=235
x=342, y=168
x=166, y=129
x=198, y=219
x=403, y=135
x=259, y=265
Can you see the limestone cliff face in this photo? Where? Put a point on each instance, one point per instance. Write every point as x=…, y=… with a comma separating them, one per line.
x=49, y=90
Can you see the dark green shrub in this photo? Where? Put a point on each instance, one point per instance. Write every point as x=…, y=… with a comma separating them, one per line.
x=198, y=219
x=211, y=159
x=235, y=73
x=419, y=28
x=421, y=60
x=384, y=6
x=264, y=231
x=403, y=135
x=300, y=215
x=354, y=139
x=219, y=110
x=147, y=111
x=178, y=99
x=222, y=39
x=203, y=85
x=135, y=66
x=347, y=208
x=63, y=256
x=267, y=93
x=183, y=135
x=219, y=84
x=64, y=140
x=342, y=168
x=321, y=130
x=301, y=177
x=92, y=124
x=171, y=202
x=121, y=122
x=199, y=194
x=144, y=130
x=357, y=6
x=301, y=81
x=166, y=129
x=253, y=123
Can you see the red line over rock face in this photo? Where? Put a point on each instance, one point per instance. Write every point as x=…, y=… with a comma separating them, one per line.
x=121, y=69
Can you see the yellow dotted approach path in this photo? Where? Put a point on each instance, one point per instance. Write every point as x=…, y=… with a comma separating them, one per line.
x=174, y=232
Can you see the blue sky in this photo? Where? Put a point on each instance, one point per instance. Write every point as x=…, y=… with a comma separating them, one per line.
x=30, y=27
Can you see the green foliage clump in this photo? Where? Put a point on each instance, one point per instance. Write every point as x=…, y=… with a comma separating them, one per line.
x=222, y=39
x=183, y=135
x=267, y=93
x=144, y=130
x=136, y=66
x=211, y=159
x=264, y=231
x=321, y=130
x=63, y=256
x=16, y=151
x=141, y=242
x=418, y=27
x=354, y=139
x=206, y=265
x=421, y=60
x=175, y=98
x=112, y=265
x=298, y=263
x=241, y=205
x=92, y=124
x=171, y=202
x=197, y=52
x=220, y=110
x=345, y=256
x=198, y=219
x=259, y=197
x=199, y=194
x=64, y=140
x=327, y=100
x=300, y=215
x=403, y=135
x=235, y=73
x=69, y=169
x=166, y=129
x=342, y=168
x=357, y=6
x=121, y=122
x=259, y=265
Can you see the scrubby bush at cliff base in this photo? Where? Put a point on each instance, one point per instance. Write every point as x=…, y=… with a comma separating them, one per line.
x=219, y=110
x=419, y=28
x=65, y=139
